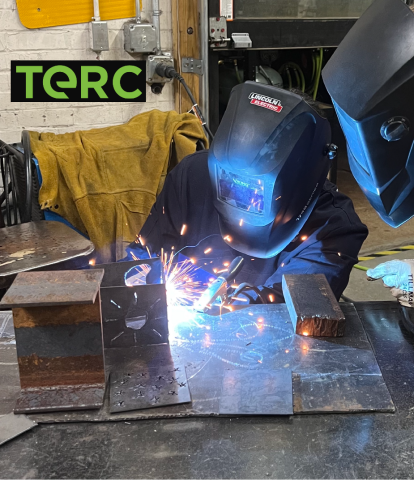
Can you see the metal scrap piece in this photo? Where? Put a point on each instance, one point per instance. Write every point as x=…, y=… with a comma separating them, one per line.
x=53, y=288
x=340, y=393
x=155, y=387
x=51, y=399
x=11, y=426
x=37, y=244
x=312, y=306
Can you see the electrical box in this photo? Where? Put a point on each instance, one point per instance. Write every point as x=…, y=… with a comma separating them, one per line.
x=152, y=62
x=99, y=36
x=218, y=32
x=241, y=40
x=140, y=37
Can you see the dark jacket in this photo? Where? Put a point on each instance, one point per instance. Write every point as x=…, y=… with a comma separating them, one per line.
x=328, y=243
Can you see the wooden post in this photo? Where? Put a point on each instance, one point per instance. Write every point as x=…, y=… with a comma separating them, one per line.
x=186, y=43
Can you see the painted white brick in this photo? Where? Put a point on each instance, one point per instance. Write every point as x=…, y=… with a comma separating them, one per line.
x=8, y=4
x=98, y=115
x=130, y=110
x=166, y=40
x=9, y=20
x=11, y=136
x=4, y=82
x=45, y=118
x=38, y=40
x=68, y=43
x=8, y=120
x=116, y=39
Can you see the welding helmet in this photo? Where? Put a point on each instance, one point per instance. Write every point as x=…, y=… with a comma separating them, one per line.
x=370, y=78
x=268, y=163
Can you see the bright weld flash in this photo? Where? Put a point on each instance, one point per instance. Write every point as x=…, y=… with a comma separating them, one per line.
x=141, y=240
x=241, y=222
x=227, y=238
x=207, y=250
x=183, y=229
x=271, y=298
x=192, y=260
x=92, y=262
x=226, y=264
x=303, y=238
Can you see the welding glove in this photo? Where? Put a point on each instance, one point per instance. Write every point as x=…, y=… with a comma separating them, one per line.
x=397, y=275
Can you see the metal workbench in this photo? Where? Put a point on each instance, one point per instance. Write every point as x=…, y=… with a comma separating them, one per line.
x=374, y=445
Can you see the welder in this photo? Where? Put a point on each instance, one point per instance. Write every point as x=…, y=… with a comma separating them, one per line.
x=370, y=78
x=260, y=192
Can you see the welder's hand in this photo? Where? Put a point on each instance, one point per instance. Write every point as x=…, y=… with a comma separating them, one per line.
x=398, y=275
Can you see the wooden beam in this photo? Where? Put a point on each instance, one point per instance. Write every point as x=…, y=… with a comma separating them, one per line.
x=186, y=43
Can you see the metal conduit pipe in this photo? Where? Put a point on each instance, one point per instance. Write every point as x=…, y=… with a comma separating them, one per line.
x=204, y=37
x=156, y=12
x=96, y=13
x=138, y=11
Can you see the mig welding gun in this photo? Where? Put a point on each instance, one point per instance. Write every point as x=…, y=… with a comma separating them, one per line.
x=221, y=288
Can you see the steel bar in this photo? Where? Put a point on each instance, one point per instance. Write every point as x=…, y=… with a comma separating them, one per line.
x=312, y=306
x=149, y=388
x=58, y=328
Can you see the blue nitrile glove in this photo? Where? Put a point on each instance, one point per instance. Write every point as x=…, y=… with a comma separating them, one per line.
x=398, y=275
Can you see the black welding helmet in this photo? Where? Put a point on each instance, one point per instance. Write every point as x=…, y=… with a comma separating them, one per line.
x=370, y=78
x=268, y=163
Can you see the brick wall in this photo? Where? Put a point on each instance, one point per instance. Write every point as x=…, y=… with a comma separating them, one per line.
x=69, y=42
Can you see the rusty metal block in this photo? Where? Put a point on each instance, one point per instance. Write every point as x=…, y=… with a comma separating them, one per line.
x=57, y=320
x=312, y=306
x=135, y=315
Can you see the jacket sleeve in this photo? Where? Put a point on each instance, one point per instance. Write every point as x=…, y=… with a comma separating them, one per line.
x=333, y=255
x=334, y=236
x=163, y=225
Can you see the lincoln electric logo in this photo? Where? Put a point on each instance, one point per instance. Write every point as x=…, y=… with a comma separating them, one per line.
x=265, y=102
x=78, y=81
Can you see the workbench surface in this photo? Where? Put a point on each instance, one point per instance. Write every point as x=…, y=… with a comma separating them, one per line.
x=374, y=445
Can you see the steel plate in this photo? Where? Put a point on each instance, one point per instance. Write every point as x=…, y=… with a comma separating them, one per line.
x=45, y=289
x=11, y=426
x=152, y=387
x=78, y=397
x=211, y=346
x=265, y=392
x=34, y=245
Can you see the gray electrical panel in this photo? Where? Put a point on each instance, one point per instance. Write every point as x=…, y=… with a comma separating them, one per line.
x=140, y=37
